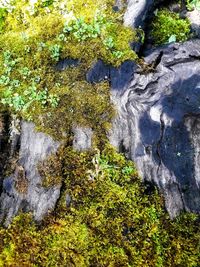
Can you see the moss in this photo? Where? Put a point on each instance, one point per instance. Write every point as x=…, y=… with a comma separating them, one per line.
x=38, y=36
x=21, y=182
x=80, y=104
x=51, y=171
x=3, y=14
x=20, y=243
x=168, y=25
x=103, y=218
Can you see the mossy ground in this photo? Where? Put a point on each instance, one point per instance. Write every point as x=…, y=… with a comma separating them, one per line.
x=104, y=218
x=34, y=37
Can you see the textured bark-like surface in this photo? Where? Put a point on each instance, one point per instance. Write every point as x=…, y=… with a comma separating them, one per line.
x=23, y=190
x=158, y=123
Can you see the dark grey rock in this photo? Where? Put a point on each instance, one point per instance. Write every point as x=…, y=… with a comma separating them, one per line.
x=158, y=124
x=137, y=11
x=34, y=147
x=155, y=124
x=118, y=77
x=99, y=72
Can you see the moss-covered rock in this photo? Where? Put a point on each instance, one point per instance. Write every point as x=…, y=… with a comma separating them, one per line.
x=36, y=36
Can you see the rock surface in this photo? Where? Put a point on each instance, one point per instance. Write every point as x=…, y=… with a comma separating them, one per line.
x=157, y=126
x=194, y=18
x=158, y=121
x=136, y=13
x=23, y=191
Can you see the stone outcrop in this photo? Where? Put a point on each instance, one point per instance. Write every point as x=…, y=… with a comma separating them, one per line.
x=138, y=11
x=158, y=121
x=23, y=190
x=194, y=18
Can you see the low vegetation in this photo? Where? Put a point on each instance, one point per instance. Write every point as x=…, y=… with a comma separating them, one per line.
x=168, y=27
x=106, y=217
x=36, y=35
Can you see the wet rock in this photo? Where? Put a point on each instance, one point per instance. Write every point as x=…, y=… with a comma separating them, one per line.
x=99, y=72
x=118, y=77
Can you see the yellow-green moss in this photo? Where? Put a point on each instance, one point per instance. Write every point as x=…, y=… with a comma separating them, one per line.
x=51, y=170
x=36, y=37
x=167, y=26
x=104, y=218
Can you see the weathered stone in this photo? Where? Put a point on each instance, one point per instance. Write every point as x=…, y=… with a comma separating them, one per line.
x=99, y=72
x=118, y=77
x=23, y=190
x=194, y=18
x=158, y=122
x=157, y=126
x=137, y=11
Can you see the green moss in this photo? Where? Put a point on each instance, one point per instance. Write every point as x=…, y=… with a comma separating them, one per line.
x=168, y=26
x=3, y=14
x=80, y=104
x=51, y=170
x=103, y=218
x=17, y=242
x=36, y=37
